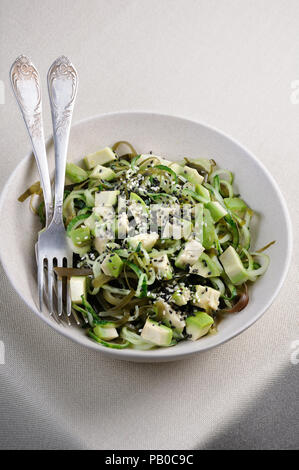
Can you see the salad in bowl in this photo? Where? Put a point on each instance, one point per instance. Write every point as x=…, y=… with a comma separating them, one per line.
x=161, y=248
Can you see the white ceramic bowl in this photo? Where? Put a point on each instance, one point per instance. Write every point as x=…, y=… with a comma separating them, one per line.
x=173, y=137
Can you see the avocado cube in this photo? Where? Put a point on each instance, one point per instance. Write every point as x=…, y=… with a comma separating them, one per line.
x=78, y=286
x=203, y=164
x=169, y=316
x=101, y=157
x=181, y=296
x=106, y=219
x=106, y=198
x=105, y=332
x=206, y=298
x=147, y=240
x=159, y=335
x=112, y=265
x=198, y=325
x=178, y=169
x=75, y=173
x=103, y=173
x=100, y=244
x=233, y=266
x=122, y=226
x=205, y=267
x=189, y=255
x=162, y=267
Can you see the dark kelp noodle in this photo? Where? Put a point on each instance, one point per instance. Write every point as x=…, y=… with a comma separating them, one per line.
x=242, y=301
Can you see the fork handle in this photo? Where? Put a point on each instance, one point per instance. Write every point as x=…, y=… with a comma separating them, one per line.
x=62, y=87
x=26, y=87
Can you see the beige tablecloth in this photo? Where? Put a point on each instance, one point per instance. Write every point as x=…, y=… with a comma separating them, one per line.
x=228, y=63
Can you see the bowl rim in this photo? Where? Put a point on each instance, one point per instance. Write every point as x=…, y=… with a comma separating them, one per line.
x=160, y=354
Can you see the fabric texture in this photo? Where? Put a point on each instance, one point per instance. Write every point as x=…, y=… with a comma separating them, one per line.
x=229, y=64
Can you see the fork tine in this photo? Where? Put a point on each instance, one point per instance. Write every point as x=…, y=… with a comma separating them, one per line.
x=59, y=297
x=68, y=290
x=59, y=289
x=68, y=299
x=50, y=285
x=40, y=282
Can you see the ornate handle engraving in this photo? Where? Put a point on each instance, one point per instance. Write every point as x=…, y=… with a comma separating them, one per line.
x=62, y=87
x=62, y=83
x=25, y=84
x=57, y=218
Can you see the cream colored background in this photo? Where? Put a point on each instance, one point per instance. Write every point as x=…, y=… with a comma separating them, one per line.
x=229, y=63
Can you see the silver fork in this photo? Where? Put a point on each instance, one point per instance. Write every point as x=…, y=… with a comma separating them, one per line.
x=52, y=242
x=25, y=83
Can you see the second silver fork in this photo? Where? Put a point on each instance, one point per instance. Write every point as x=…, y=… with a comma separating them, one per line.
x=52, y=243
